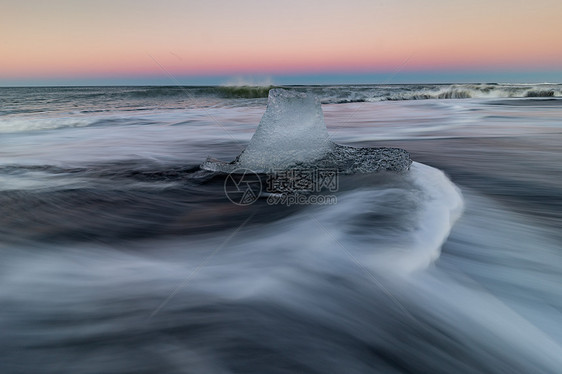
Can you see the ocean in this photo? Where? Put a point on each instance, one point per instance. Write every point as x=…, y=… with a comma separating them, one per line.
x=121, y=254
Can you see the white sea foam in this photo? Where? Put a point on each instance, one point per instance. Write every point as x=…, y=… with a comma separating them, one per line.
x=22, y=124
x=396, y=229
x=423, y=208
x=441, y=206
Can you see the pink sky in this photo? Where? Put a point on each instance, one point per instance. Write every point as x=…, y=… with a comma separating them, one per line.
x=42, y=39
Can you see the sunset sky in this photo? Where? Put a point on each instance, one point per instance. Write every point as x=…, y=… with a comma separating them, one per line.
x=256, y=41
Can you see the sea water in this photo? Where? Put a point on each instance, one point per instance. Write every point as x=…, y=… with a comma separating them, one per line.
x=119, y=254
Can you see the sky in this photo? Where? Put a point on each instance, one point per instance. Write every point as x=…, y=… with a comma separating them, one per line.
x=80, y=42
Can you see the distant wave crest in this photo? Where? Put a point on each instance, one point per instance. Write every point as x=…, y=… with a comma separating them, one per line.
x=227, y=92
x=450, y=91
x=244, y=92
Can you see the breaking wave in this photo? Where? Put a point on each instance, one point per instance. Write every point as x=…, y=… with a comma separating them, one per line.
x=333, y=95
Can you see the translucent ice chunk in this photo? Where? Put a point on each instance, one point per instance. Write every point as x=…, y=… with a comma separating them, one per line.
x=292, y=130
x=292, y=133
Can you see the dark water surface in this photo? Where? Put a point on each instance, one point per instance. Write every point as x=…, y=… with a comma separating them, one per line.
x=119, y=255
